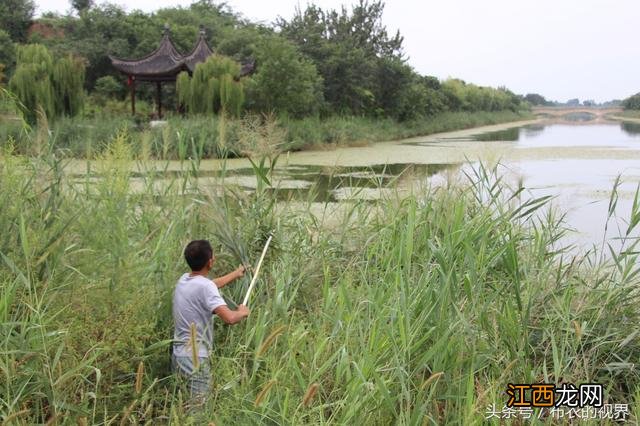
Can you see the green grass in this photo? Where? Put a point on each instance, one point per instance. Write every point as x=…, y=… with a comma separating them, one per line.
x=414, y=310
x=200, y=137
x=629, y=113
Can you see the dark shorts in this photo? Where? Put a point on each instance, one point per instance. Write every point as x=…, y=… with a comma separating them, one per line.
x=198, y=381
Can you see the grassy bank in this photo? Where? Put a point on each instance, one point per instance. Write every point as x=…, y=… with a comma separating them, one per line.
x=408, y=311
x=628, y=113
x=353, y=130
x=212, y=138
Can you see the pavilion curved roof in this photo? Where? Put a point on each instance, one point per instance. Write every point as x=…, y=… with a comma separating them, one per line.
x=164, y=63
x=200, y=53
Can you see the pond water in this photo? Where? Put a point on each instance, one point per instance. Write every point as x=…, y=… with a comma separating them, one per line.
x=575, y=163
x=581, y=183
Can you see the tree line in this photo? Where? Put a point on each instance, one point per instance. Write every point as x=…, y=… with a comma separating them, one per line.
x=535, y=99
x=320, y=62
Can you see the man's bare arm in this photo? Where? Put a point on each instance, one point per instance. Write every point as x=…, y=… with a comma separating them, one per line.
x=226, y=279
x=232, y=317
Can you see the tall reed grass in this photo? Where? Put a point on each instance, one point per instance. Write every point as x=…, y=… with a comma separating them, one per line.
x=419, y=313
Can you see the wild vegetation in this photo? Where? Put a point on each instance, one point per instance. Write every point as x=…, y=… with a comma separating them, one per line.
x=629, y=114
x=89, y=137
x=632, y=102
x=409, y=310
x=42, y=85
x=413, y=309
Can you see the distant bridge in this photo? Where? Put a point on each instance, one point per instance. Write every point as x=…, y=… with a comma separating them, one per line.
x=591, y=114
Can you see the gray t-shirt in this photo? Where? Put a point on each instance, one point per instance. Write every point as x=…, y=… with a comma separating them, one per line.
x=194, y=300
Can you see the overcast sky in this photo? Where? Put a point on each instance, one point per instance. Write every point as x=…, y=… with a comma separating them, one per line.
x=562, y=49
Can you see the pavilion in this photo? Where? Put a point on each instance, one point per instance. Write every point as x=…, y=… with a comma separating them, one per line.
x=164, y=64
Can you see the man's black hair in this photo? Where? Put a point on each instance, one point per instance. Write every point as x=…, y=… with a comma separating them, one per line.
x=197, y=254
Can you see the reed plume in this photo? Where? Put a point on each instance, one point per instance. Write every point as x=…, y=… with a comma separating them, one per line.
x=14, y=416
x=310, y=394
x=431, y=379
x=127, y=413
x=139, y=375
x=263, y=393
x=267, y=342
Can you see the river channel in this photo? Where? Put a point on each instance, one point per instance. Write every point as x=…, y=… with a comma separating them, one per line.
x=577, y=164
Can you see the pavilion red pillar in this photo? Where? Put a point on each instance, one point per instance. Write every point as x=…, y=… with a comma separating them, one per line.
x=132, y=84
x=159, y=99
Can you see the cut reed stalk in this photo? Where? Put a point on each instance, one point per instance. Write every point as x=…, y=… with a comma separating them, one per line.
x=193, y=344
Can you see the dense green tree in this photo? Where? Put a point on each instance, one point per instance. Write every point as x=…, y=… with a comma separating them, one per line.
x=81, y=6
x=7, y=51
x=363, y=28
x=535, y=99
x=349, y=49
x=308, y=30
x=431, y=82
x=15, y=18
x=241, y=43
x=453, y=90
x=435, y=100
x=394, y=89
x=364, y=71
x=469, y=97
x=108, y=87
x=7, y=56
x=284, y=81
x=349, y=80
x=632, y=102
x=421, y=99
x=509, y=100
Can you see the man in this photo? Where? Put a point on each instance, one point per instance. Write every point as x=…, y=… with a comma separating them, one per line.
x=195, y=299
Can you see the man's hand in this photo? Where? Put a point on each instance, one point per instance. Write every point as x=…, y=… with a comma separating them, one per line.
x=239, y=272
x=231, y=276
x=243, y=310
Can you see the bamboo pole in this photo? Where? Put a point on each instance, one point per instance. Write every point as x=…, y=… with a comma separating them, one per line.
x=255, y=276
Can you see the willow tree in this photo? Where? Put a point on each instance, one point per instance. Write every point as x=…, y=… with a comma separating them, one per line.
x=183, y=90
x=214, y=87
x=40, y=83
x=31, y=81
x=68, y=82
